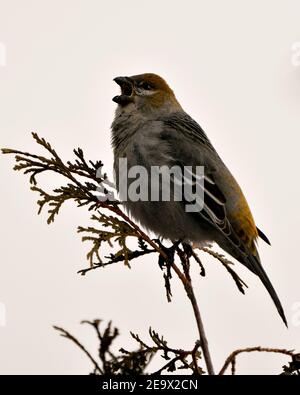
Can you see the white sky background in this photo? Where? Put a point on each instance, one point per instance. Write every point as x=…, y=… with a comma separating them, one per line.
x=230, y=64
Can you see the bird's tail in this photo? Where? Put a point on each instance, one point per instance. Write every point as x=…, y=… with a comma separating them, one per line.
x=253, y=263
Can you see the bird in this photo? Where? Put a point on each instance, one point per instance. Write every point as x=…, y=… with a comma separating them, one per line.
x=151, y=129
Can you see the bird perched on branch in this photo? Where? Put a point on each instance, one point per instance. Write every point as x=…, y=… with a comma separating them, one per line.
x=151, y=129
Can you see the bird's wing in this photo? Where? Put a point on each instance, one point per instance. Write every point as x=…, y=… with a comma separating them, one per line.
x=238, y=229
x=194, y=150
x=200, y=150
x=263, y=236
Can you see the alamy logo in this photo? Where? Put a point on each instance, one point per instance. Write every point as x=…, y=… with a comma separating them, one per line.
x=156, y=183
x=2, y=55
x=296, y=314
x=2, y=315
x=296, y=54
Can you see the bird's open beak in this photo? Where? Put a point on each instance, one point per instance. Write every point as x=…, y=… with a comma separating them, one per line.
x=126, y=85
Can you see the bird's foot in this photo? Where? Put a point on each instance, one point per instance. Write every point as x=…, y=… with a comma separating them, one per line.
x=167, y=259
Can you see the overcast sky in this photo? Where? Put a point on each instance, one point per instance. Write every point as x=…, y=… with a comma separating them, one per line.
x=235, y=67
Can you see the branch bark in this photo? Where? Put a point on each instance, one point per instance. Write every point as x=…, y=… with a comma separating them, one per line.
x=232, y=357
x=186, y=282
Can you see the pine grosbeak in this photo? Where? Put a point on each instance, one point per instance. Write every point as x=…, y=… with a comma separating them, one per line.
x=151, y=129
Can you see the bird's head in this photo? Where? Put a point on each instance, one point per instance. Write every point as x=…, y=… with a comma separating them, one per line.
x=147, y=93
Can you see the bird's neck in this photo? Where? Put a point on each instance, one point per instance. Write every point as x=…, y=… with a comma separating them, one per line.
x=126, y=123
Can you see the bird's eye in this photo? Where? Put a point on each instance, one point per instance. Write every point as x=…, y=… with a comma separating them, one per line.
x=146, y=86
